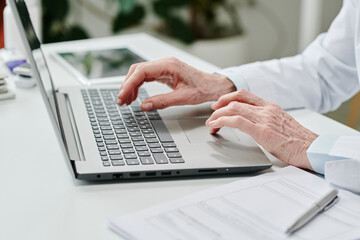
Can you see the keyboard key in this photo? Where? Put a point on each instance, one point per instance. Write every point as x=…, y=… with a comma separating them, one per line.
x=130, y=156
x=146, y=160
x=118, y=126
x=144, y=154
x=154, y=118
x=156, y=150
x=98, y=140
x=102, y=149
x=104, y=158
x=107, y=132
x=120, y=131
x=133, y=129
x=141, y=148
x=174, y=155
x=132, y=162
x=122, y=135
x=140, y=138
x=111, y=142
x=176, y=160
x=116, y=157
x=124, y=140
x=171, y=149
x=128, y=150
x=105, y=128
x=118, y=163
x=114, y=152
x=152, y=140
x=154, y=145
x=109, y=137
x=103, y=154
x=112, y=147
x=100, y=144
x=162, y=131
x=106, y=164
x=160, y=158
x=139, y=143
x=146, y=131
x=149, y=135
x=126, y=145
x=135, y=134
x=169, y=144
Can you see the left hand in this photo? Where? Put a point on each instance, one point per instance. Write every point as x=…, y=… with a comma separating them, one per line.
x=266, y=123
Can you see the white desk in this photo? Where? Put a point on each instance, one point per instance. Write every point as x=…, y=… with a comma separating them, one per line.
x=40, y=199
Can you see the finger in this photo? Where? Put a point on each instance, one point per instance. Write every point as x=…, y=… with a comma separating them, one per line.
x=130, y=72
x=161, y=101
x=214, y=130
x=238, y=122
x=240, y=96
x=142, y=72
x=247, y=111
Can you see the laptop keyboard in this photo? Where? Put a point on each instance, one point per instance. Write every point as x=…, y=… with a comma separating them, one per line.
x=125, y=135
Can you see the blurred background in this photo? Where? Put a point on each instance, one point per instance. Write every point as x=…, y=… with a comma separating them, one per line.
x=223, y=32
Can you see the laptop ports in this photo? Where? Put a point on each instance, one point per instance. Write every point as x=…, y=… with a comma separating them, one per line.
x=134, y=174
x=168, y=173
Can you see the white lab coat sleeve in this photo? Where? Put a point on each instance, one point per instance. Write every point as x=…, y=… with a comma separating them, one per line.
x=338, y=159
x=320, y=78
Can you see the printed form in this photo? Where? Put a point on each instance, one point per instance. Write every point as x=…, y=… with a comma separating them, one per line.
x=260, y=207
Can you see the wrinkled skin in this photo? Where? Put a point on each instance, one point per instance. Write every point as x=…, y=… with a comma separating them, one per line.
x=264, y=121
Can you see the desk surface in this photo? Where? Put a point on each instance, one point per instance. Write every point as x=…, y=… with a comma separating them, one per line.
x=39, y=197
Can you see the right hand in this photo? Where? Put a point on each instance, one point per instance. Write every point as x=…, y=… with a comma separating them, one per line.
x=190, y=85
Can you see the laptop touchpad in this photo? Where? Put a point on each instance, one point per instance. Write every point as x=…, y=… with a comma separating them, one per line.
x=198, y=133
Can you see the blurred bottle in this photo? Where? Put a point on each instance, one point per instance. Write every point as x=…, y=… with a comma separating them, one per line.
x=11, y=33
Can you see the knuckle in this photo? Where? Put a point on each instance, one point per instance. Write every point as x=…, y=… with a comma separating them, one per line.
x=133, y=66
x=233, y=105
x=172, y=59
x=242, y=92
x=163, y=102
x=238, y=120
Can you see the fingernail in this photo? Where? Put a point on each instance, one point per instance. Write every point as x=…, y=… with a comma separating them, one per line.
x=120, y=93
x=212, y=123
x=147, y=106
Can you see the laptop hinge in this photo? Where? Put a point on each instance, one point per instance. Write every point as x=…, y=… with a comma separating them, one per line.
x=69, y=130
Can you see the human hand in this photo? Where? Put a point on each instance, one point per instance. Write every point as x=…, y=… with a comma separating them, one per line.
x=266, y=123
x=191, y=86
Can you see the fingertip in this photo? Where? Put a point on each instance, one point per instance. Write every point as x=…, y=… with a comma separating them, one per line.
x=214, y=131
x=147, y=106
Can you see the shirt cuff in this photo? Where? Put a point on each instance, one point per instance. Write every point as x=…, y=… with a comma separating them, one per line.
x=238, y=81
x=318, y=152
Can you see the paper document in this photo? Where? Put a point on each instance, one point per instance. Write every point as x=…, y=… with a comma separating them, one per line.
x=260, y=207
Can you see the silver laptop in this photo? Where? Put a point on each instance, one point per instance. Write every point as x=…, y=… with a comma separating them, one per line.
x=105, y=141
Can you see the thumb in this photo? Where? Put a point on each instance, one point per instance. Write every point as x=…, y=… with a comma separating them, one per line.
x=161, y=101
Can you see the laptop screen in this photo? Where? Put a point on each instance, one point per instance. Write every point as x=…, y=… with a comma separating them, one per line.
x=37, y=60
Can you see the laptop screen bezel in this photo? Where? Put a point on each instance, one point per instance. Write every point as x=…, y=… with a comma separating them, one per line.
x=33, y=46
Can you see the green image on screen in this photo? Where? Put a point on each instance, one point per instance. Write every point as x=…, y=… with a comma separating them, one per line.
x=95, y=64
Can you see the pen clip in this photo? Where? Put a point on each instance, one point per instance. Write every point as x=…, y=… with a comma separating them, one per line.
x=332, y=203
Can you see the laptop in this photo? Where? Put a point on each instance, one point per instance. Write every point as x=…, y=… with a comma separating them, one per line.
x=105, y=141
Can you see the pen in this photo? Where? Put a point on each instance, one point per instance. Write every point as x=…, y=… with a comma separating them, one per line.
x=324, y=203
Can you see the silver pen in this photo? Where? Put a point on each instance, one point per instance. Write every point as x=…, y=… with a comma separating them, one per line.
x=328, y=200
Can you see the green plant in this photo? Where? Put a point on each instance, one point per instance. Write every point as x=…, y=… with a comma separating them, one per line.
x=200, y=21
x=55, y=28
